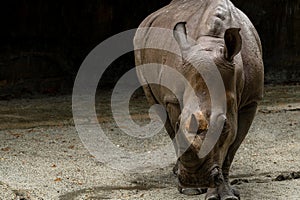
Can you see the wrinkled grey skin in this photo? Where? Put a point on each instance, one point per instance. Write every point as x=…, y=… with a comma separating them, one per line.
x=226, y=39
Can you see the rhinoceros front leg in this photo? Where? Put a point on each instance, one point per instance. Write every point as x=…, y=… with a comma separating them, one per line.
x=225, y=191
x=245, y=118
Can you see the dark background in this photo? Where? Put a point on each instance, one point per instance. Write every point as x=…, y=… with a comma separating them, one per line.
x=43, y=43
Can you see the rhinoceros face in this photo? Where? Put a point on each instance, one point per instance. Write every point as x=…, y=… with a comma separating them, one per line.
x=197, y=117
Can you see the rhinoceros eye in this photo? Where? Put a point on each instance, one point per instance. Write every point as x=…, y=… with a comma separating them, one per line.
x=176, y=127
x=225, y=125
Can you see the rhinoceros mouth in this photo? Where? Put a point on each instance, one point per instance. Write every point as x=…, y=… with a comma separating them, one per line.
x=202, y=178
x=192, y=182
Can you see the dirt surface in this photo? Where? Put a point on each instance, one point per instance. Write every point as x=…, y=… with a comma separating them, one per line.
x=42, y=156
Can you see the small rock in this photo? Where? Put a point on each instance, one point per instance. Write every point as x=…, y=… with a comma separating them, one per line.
x=6, y=192
x=239, y=181
x=295, y=175
x=288, y=176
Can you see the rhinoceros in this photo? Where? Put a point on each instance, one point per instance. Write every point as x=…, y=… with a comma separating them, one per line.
x=208, y=34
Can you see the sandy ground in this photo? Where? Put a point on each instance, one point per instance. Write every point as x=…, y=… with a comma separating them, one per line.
x=42, y=156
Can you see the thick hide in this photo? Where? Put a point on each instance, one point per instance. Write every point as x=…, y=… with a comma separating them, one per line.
x=210, y=33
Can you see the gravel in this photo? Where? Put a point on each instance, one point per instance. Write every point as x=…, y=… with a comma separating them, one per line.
x=42, y=157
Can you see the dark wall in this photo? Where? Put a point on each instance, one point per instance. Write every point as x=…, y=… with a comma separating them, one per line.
x=42, y=43
x=278, y=23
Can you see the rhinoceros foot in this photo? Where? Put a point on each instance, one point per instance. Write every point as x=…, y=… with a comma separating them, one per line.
x=222, y=192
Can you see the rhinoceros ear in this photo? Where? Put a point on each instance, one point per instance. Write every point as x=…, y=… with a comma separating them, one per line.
x=233, y=43
x=180, y=35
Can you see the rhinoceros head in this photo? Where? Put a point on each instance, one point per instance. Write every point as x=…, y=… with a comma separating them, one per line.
x=199, y=121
